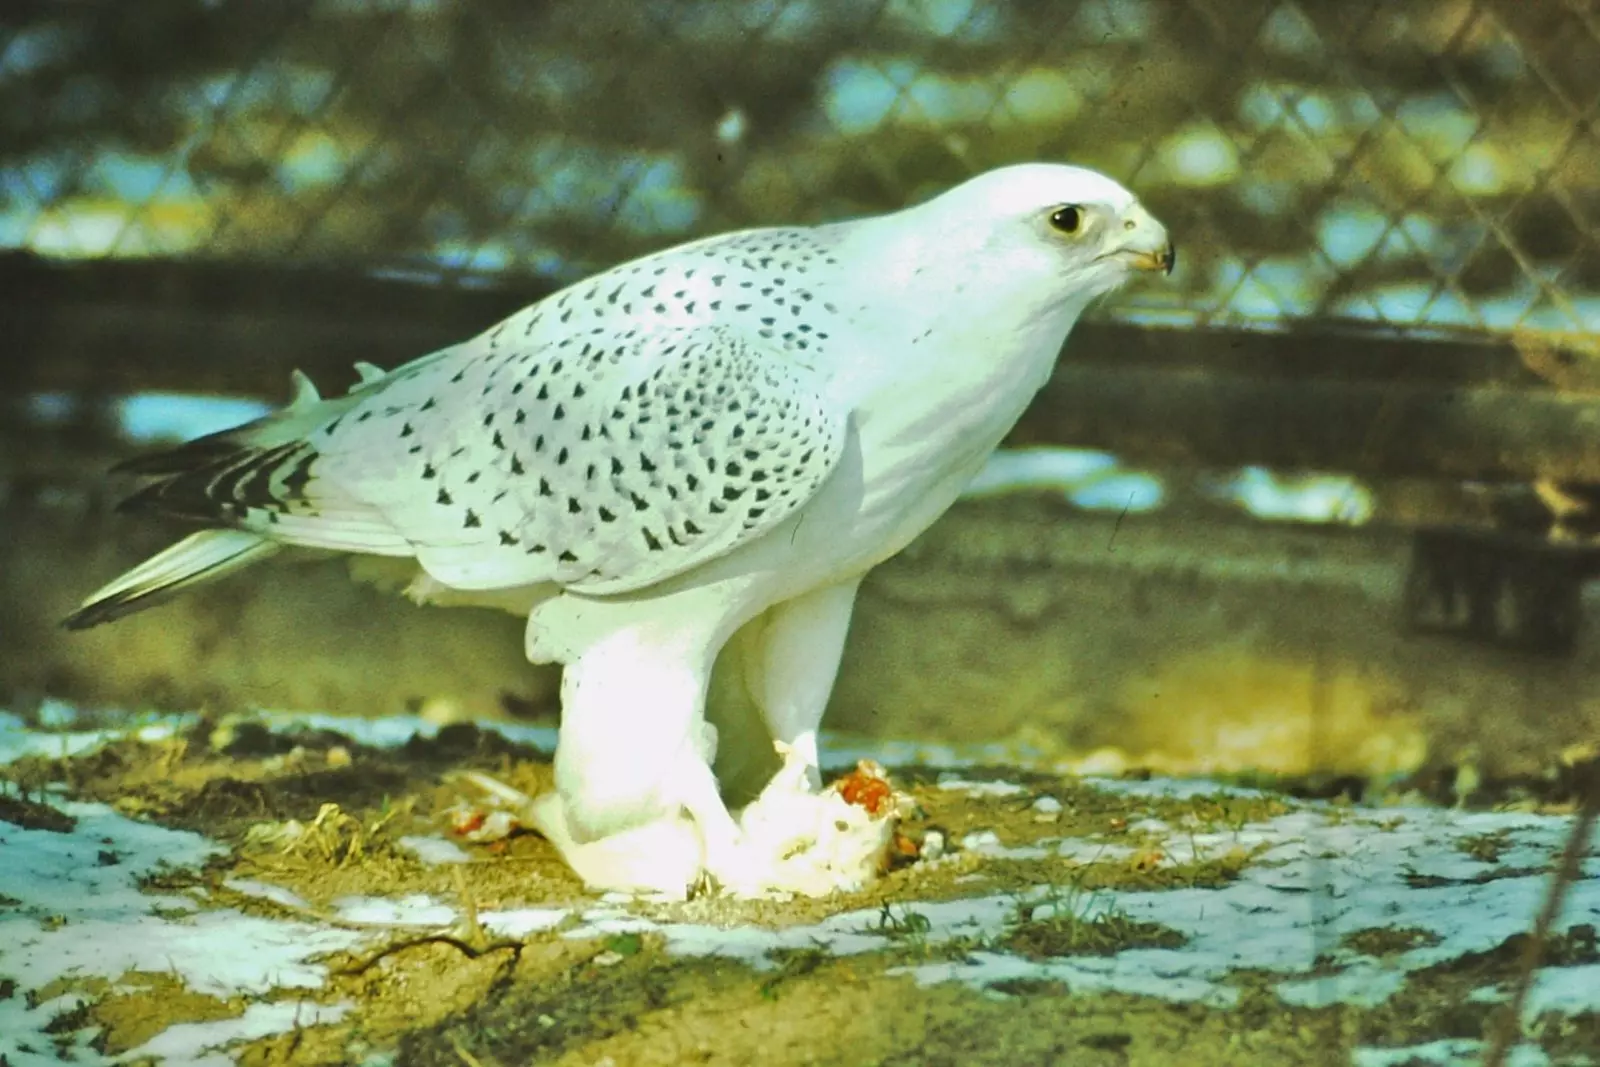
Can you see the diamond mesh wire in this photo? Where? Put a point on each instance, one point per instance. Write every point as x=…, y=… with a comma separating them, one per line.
x=1420, y=163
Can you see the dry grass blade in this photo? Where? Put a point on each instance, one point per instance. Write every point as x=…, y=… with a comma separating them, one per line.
x=1510, y=1024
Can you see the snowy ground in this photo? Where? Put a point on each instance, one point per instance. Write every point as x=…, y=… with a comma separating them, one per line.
x=1328, y=905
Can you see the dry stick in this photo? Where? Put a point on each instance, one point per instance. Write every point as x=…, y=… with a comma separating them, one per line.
x=469, y=907
x=1510, y=1028
x=470, y=951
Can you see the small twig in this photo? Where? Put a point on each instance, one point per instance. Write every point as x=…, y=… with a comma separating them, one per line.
x=472, y=952
x=1510, y=1028
x=1123, y=514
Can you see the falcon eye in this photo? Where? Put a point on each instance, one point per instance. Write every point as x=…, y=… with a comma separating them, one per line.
x=1068, y=218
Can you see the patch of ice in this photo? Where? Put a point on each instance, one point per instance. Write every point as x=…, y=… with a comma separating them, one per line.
x=217, y=953
x=1452, y=1052
x=955, y=783
x=418, y=909
x=1317, y=876
x=392, y=731
x=987, y=843
x=1168, y=788
x=250, y=887
x=1318, y=879
x=1564, y=990
x=81, y=915
x=188, y=1043
x=1364, y=984
x=19, y=741
x=92, y=872
x=523, y=921
x=435, y=851
x=604, y=922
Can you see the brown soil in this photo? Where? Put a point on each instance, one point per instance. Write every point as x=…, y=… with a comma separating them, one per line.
x=467, y=997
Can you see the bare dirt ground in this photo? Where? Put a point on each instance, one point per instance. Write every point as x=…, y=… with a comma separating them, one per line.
x=1113, y=921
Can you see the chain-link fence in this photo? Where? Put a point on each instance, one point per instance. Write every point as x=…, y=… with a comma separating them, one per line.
x=1415, y=162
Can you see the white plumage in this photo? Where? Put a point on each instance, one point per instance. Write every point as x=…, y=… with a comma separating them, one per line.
x=718, y=439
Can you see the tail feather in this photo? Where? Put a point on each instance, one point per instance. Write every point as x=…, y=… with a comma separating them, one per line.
x=227, y=483
x=197, y=558
x=198, y=453
x=264, y=477
x=256, y=487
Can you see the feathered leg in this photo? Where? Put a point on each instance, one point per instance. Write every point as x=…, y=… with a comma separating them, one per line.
x=792, y=664
x=634, y=745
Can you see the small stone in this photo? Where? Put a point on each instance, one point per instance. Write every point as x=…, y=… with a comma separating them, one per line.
x=608, y=958
x=338, y=756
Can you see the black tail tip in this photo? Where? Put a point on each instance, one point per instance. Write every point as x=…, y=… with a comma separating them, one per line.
x=101, y=612
x=186, y=457
x=82, y=619
x=146, y=499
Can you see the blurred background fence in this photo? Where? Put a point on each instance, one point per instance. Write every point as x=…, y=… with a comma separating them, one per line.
x=1409, y=162
x=1388, y=214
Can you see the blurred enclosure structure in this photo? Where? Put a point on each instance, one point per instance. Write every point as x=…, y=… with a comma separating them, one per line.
x=1326, y=508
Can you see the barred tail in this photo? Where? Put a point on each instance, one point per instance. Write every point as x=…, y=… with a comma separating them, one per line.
x=198, y=558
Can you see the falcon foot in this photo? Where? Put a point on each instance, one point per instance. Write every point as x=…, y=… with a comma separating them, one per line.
x=792, y=840
x=795, y=839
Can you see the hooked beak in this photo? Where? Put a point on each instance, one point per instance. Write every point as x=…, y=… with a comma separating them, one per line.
x=1144, y=243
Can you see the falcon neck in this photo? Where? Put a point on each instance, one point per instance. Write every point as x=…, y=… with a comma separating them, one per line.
x=974, y=345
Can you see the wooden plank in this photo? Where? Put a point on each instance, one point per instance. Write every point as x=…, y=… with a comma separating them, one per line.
x=240, y=328
x=1342, y=399
x=1362, y=427
x=110, y=328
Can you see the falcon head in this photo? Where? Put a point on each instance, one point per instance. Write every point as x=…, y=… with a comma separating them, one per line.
x=1066, y=228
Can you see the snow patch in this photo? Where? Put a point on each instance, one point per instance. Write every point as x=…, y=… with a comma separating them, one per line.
x=1453, y=1052
x=188, y=1043
x=435, y=851
x=955, y=783
x=79, y=913
x=418, y=909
